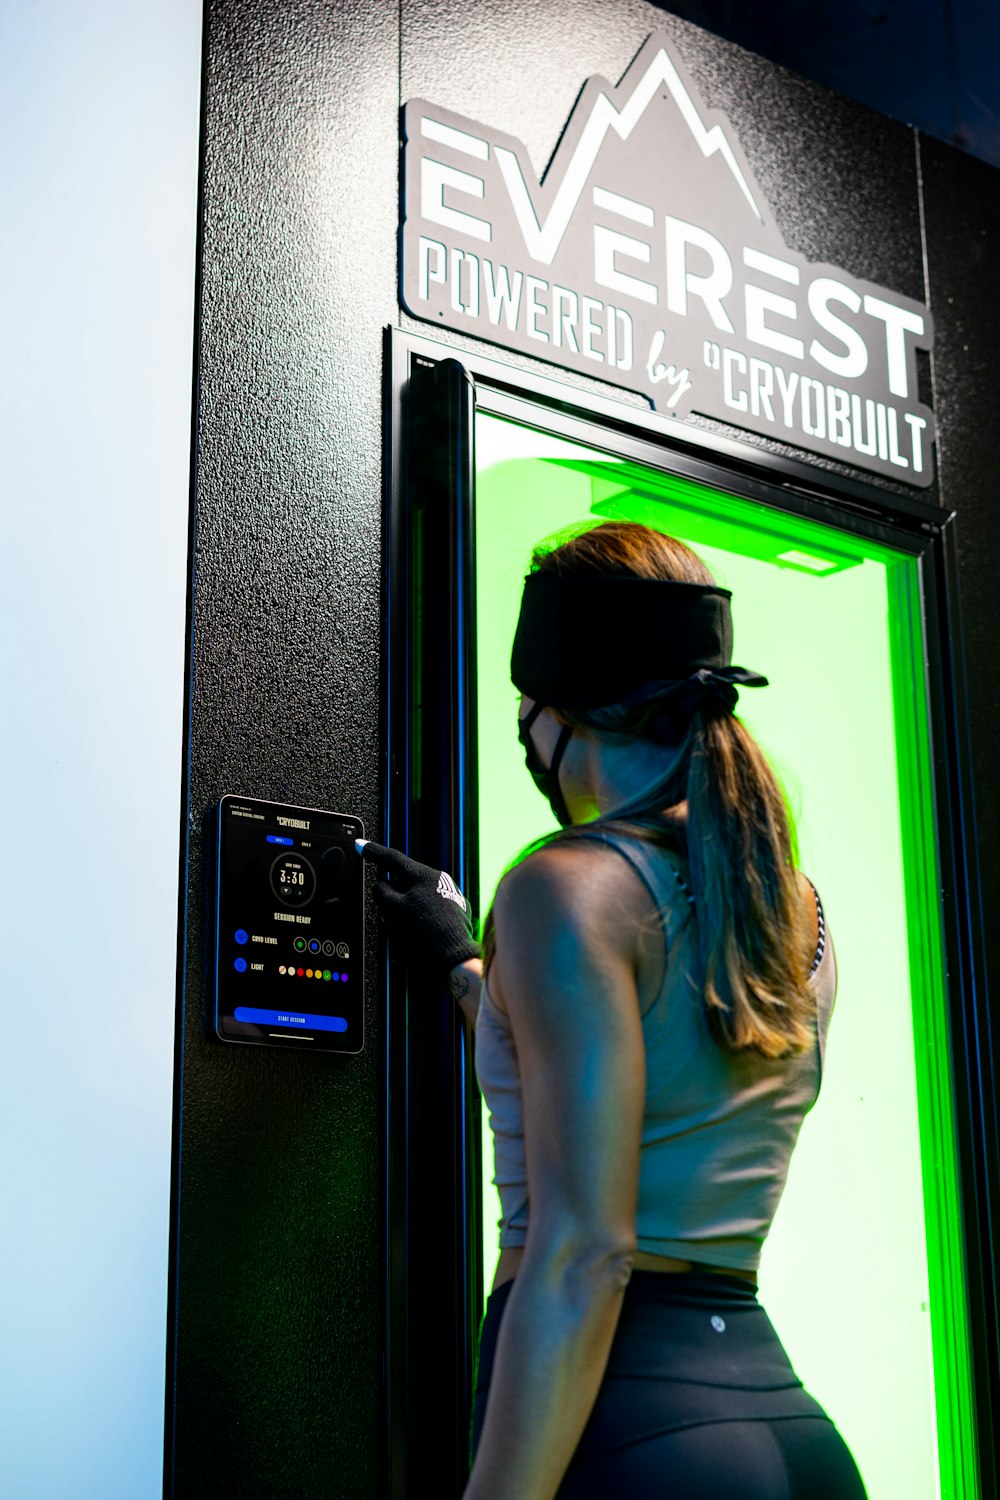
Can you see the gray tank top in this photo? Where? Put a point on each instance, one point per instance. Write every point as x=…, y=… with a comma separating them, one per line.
x=719, y=1127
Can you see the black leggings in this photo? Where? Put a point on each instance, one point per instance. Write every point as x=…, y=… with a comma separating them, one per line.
x=699, y=1402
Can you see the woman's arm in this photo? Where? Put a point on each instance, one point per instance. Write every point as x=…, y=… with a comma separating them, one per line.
x=565, y=973
x=464, y=985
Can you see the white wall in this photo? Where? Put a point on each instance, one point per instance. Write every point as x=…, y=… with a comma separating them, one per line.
x=98, y=124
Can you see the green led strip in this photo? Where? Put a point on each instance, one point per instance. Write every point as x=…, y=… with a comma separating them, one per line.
x=939, y=1157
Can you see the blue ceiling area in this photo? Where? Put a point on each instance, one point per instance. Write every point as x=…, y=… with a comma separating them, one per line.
x=930, y=63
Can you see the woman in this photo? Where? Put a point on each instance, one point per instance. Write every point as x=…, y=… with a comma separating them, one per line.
x=650, y=1006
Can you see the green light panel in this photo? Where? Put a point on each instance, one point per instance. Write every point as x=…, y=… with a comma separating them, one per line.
x=861, y=1273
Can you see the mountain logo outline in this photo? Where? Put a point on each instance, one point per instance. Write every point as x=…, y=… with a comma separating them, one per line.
x=646, y=255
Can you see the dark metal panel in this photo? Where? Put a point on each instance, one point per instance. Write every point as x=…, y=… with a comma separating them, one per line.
x=277, y=1296
x=962, y=215
x=434, y=1161
x=840, y=180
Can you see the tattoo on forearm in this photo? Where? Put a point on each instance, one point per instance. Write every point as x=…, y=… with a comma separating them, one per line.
x=458, y=984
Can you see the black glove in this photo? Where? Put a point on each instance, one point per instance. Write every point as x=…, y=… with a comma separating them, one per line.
x=424, y=911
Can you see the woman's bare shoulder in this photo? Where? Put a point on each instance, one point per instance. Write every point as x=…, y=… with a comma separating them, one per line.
x=580, y=892
x=581, y=875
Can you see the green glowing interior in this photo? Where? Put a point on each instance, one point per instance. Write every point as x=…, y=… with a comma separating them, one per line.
x=861, y=1274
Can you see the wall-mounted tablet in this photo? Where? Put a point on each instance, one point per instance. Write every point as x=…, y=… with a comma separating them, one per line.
x=289, y=934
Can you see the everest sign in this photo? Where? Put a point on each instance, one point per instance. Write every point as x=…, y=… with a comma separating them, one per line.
x=648, y=257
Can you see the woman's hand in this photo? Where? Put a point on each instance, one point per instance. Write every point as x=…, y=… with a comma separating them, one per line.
x=424, y=913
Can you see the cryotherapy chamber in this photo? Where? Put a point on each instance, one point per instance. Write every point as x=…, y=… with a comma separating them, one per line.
x=841, y=597
x=442, y=249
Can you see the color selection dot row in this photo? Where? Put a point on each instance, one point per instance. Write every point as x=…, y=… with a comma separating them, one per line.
x=310, y=973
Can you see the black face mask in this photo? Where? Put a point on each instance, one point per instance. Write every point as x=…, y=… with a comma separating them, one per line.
x=546, y=778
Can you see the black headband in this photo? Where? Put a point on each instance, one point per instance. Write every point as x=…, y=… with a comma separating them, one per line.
x=586, y=642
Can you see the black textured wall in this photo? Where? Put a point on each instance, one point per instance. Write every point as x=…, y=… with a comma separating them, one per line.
x=279, y=1239
x=278, y=1267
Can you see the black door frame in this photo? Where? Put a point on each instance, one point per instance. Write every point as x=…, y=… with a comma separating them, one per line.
x=433, y=1252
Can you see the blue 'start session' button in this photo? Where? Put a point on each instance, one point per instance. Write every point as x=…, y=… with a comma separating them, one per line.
x=297, y=1018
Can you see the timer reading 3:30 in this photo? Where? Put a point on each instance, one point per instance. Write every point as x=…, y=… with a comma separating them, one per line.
x=293, y=879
